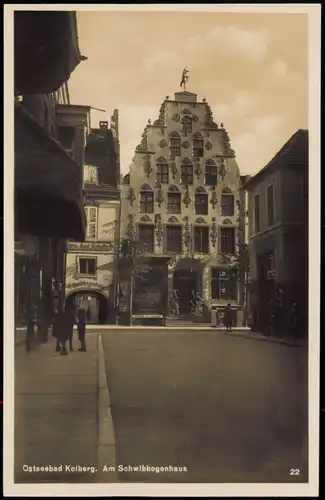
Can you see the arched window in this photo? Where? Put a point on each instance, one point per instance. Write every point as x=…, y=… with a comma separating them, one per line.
x=186, y=172
x=198, y=145
x=187, y=125
x=174, y=205
x=162, y=171
x=227, y=207
x=211, y=173
x=201, y=202
x=174, y=145
x=146, y=199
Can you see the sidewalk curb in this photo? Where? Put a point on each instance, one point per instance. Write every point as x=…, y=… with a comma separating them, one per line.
x=106, y=451
x=273, y=340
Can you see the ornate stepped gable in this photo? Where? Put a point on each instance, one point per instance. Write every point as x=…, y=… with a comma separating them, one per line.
x=161, y=121
x=228, y=151
x=143, y=146
x=209, y=123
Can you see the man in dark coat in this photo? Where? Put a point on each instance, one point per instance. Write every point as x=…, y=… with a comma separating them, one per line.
x=60, y=330
x=81, y=319
x=228, y=318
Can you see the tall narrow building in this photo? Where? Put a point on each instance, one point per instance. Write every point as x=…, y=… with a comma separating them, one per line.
x=181, y=198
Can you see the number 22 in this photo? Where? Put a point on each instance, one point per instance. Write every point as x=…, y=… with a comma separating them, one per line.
x=294, y=472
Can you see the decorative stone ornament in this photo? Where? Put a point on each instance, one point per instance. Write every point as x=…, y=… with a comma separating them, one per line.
x=187, y=198
x=213, y=199
x=226, y=221
x=195, y=118
x=200, y=220
x=159, y=230
x=197, y=169
x=159, y=197
x=131, y=196
x=173, y=169
x=185, y=144
x=187, y=235
x=222, y=171
x=213, y=232
x=147, y=168
x=130, y=227
x=225, y=259
x=173, y=220
x=163, y=143
x=208, y=145
x=143, y=146
x=145, y=218
x=176, y=118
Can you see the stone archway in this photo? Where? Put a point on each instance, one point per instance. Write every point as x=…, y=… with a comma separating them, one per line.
x=97, y=305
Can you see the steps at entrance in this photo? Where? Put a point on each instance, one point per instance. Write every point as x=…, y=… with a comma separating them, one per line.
x=185, y=321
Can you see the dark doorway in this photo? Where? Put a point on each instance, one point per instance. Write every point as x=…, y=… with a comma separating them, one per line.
x=185, y=289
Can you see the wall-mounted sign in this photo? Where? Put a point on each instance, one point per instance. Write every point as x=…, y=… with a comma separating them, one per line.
x=92, y=246
x=84, y=284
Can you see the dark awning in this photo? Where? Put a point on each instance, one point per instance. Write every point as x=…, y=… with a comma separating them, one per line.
x=46, y=50
x=48, y=183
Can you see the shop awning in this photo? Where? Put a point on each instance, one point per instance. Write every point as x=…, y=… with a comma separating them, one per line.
x=46, y=50
x=48, y=183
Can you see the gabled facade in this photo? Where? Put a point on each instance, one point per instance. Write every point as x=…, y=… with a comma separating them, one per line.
x=91, y=265
x=181, y=199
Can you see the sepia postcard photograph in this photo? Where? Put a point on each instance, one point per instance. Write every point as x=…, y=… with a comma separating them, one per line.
x=162, y=276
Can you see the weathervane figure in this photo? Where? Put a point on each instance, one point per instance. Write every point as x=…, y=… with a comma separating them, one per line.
x=184, y=78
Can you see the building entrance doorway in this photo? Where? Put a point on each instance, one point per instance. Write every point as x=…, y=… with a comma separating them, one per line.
x=185, y=289
x=97, y=306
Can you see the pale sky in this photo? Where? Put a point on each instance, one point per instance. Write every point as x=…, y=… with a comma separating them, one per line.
x=251, y=68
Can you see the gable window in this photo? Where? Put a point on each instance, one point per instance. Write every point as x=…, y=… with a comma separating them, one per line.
x=211, y=175
x=175, y=147
x=162, y=173
x=87, y=266
x=223, y=284
x=174, y=203
x=186, y=174
x=187, y=125
x=146, y=202
x=201, y=239
x=198, y=149
x=270, y=206
x=174, y=238
x=146, y=236
x=257, y=227
x=91, y=217
x=227, y=205
x=201, y=204
x=227, y=240
x=90, y=174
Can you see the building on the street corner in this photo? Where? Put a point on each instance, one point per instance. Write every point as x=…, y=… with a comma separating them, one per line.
x=48, y=181
x=91, y=266
x=278, y=236
x=181, y=200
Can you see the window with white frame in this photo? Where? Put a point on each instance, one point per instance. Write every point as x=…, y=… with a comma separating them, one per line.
x=91, y=215
x=87, y=266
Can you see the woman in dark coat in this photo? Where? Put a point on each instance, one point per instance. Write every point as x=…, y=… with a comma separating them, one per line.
x=60, y=330
x=228, y=318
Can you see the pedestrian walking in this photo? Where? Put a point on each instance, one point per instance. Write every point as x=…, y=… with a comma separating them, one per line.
x=60, y=330
x=81, y=322
x=70, y=320
x=228, y=318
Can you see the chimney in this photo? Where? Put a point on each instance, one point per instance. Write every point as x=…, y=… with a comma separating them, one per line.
x=103, y=125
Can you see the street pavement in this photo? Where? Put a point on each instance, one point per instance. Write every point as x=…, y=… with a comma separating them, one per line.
x=56, y=414
x=228, y=409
